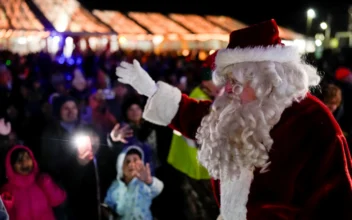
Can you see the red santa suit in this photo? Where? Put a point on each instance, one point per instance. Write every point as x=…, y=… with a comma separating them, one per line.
x=309, y=176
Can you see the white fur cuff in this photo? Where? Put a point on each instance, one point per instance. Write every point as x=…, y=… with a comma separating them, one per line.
x=162, y=107
x=281, y=54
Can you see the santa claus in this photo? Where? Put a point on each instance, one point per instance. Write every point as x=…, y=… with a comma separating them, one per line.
x=277, y=150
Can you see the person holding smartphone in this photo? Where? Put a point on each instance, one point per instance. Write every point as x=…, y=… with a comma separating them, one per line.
x=78, y=160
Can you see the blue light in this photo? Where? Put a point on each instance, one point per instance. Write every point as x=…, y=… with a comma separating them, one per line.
x=61, y=60
x=68, y=77
x=70, y=61
x=53, y=33
x=79, y=60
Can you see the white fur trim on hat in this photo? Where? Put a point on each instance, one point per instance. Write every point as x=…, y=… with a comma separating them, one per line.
x=281, y=54
x=162, y=107
x=234, y=196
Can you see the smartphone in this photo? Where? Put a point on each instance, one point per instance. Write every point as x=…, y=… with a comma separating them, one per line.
x=109, y=210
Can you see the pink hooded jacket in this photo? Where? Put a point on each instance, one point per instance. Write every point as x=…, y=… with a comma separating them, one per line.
x=30, y=197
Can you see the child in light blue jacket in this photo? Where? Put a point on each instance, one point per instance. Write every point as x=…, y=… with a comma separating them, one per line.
x=131, y=194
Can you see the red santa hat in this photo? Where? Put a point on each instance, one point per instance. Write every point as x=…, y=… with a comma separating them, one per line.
x=260, y=42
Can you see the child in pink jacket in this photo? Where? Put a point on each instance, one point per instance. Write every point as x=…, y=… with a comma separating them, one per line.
x=28, y=195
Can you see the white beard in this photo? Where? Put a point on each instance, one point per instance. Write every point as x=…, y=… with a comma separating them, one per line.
x=235, y=139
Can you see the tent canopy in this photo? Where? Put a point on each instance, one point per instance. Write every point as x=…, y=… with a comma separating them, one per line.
x=197, y=24
x=226, y=22
x=15, y=14
x=4, y=23
x=157, y=23
x=70, y=16
x=231, y=24
x=120, y=23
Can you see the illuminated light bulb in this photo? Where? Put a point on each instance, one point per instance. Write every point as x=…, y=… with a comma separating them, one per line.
x=185, y=53
x=323, y=25
x=318, y=43
x=311, y=13
x=122, y=40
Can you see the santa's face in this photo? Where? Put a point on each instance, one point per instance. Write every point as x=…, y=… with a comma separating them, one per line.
x=246, y=96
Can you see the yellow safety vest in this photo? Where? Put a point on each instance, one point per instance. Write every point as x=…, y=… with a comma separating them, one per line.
x=183, y=151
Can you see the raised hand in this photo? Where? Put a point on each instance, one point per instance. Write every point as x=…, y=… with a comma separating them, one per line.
x=137, y=77
x=144, y=174
x=120, y=134
x=5, y=128
x=84, y=150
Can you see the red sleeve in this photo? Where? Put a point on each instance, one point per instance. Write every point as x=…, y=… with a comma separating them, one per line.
x=53, y=192
x=168, y=106
x=324, y=193
x=323, y=189
x=190, y=115
x=310, y=175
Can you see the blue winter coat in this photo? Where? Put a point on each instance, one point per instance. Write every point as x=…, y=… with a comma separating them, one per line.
x=132, y=201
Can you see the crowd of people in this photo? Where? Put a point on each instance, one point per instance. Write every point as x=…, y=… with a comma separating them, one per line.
x=74, y=144
x=50, y=105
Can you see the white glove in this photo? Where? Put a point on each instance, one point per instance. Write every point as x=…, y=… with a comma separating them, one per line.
x=137, y=77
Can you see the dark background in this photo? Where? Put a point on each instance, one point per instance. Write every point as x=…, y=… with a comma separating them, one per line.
x=290, y=14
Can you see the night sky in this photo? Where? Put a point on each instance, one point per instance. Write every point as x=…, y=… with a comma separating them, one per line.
x=290, y=14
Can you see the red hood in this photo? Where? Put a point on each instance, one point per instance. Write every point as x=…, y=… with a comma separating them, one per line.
x=17, y=179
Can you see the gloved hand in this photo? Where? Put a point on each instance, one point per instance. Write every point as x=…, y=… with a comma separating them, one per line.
x=137, y=77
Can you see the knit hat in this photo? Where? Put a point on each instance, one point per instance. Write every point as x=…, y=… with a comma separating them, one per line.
x=58, y=102
x=128, y=103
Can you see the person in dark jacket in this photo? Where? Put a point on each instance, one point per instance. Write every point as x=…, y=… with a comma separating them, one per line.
x=333, y=99
x=84, y=169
